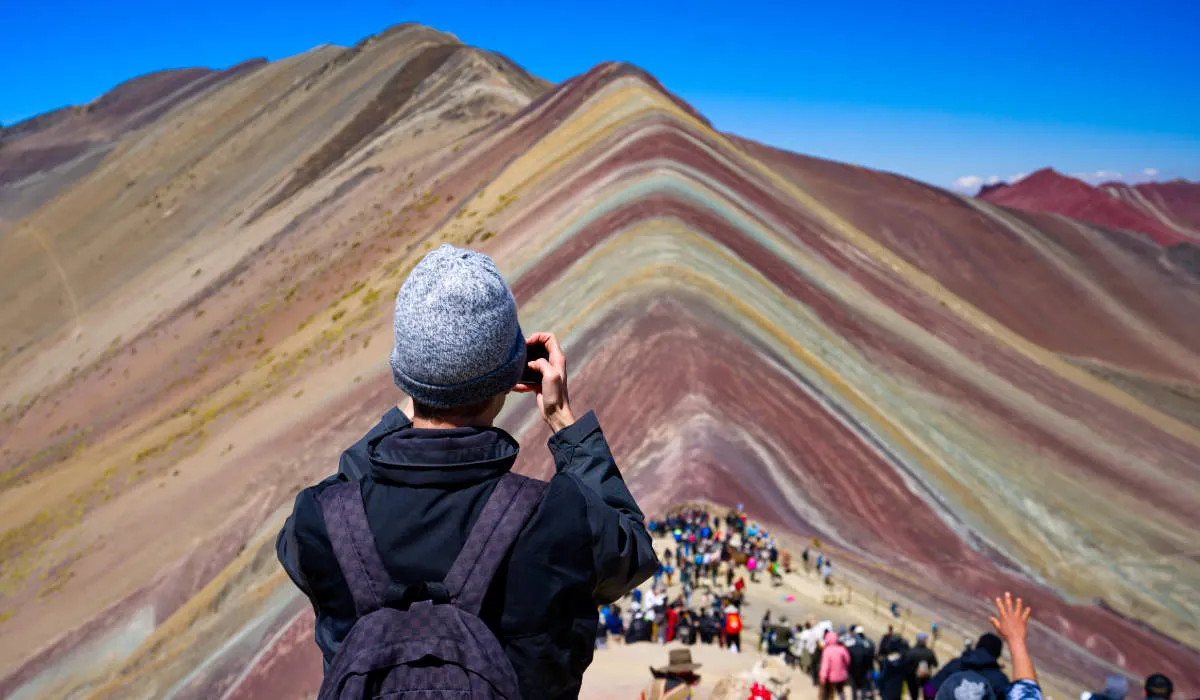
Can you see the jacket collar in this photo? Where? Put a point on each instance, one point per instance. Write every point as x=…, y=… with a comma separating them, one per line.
x=453, y=457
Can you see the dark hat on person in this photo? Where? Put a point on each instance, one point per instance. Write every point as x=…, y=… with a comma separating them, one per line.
x=1159, y=686
x=679, y=661
x=966, y=685
x=990, y=643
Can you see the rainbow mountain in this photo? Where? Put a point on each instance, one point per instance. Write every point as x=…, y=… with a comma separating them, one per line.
x=956, y=397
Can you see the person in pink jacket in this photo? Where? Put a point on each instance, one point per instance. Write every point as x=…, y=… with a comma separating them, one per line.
x=835, y=667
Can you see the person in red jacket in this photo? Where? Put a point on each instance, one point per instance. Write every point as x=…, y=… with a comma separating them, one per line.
x=835, y=667
x=733, y=629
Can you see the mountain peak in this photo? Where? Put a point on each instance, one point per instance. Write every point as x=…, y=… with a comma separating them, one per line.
x=986, y=190
x=1049, y=191
x=1049, y=177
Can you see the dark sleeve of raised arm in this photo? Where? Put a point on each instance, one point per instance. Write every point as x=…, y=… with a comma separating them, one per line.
x=621, y=548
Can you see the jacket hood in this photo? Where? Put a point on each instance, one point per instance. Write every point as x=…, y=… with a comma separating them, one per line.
x=831, y=638
x=427, y=457
x=978, y=659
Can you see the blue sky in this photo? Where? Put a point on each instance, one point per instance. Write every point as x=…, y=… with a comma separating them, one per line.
x=935, y=91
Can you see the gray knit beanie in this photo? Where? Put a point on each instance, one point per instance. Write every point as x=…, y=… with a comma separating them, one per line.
x=457, y=337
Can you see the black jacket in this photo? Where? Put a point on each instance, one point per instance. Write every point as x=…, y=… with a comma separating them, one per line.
x=893, y=668
x=423, y=489
x=918, y=654
x=981, y=662
x=862, y=656
x=886, y=643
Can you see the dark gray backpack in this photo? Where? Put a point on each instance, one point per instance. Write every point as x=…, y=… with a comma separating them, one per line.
x=424, y=641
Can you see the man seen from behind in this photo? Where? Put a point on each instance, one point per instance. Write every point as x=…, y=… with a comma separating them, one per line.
x=425, y=482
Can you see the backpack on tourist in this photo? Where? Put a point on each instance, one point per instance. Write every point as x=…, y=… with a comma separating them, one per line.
x=423, y=638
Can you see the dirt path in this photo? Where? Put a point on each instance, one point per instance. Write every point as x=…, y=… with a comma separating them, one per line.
x=622, y=671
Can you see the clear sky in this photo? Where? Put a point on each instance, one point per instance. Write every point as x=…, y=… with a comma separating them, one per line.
x=943, y=92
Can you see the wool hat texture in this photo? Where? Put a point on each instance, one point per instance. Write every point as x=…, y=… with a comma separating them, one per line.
x=457, y=338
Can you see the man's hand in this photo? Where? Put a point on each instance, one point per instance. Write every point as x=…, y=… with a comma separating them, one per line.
x=552, y=392
x=1012, y=620
x=1012, y=623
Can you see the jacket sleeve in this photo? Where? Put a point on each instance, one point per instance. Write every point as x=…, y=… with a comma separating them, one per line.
x=621, y=549
x=288, y=551
x=826, y=664
x=287, y=545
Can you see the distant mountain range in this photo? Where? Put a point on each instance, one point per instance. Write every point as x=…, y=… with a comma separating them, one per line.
x=1167, y=212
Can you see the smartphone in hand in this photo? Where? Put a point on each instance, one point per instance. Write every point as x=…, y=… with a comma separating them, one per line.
x=535, y=351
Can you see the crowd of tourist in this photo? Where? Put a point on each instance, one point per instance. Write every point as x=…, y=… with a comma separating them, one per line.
x=711, y=557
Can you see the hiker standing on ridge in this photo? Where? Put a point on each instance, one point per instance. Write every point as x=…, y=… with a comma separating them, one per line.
x=835, y=668
x=733, y=629
x=885, y=645
x=862, y=660
x=893, y=668
x=921, y=662
x=406, y=538
x=763, y=627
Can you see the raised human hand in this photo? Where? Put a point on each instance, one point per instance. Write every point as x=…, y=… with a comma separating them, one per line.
x=1012, y=619
x=1012, y=623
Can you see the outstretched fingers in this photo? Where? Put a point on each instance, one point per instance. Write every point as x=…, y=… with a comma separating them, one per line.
x=1011, y=616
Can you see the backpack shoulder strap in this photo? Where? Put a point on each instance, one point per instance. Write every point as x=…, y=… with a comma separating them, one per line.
x=354, y=546
x=494, y=532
